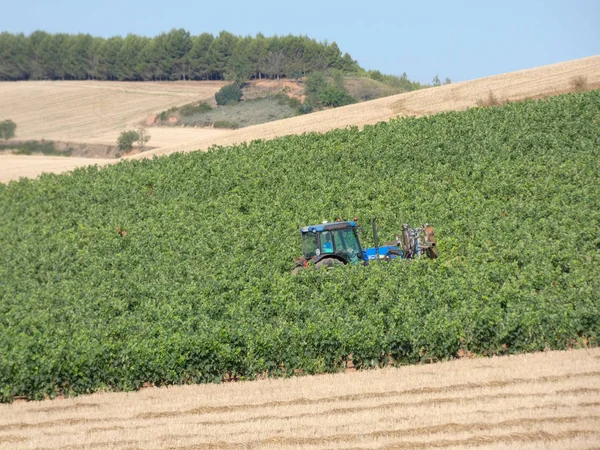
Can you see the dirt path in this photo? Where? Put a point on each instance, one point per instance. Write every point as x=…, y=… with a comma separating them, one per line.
x=537, y=401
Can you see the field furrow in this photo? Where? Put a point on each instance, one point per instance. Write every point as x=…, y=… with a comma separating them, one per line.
x=534, y=401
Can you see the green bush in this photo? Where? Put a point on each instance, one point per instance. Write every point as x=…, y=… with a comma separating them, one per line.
x=191, y=109
x=127, y=139
x=305, y=108
x=32, y=147
x=228, y=94
x=319, y=91
x=7, y=129
x=176, y=269
x=226, y=124
x=333, y=96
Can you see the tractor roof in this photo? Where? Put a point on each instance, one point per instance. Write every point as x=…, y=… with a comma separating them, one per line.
x=327, y=226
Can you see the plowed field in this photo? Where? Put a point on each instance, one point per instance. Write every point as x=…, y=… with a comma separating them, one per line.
x=536, y=401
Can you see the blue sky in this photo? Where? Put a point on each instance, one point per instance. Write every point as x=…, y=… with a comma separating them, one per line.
x=461, y=40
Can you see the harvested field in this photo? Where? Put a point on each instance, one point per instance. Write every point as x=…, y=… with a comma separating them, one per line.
x=14, y=167
x=96, y=111
x=544, y=400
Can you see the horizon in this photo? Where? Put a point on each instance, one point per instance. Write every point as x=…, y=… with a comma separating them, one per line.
x=541, y=33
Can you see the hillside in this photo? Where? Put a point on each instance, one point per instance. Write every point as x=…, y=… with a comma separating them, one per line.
x=177, y=269
x=86, y=111
x=515, y=86
x=97, y=111
x=538, y=401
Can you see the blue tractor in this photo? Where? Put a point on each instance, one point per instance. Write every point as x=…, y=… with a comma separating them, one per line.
x=336, y=243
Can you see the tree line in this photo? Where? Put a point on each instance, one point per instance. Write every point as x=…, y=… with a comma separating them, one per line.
x=175, y=55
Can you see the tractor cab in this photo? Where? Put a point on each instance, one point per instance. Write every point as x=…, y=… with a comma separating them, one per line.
x=337, y=240
x=337, y=243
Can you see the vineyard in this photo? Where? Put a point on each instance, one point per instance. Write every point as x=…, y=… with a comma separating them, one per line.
x=176, y=269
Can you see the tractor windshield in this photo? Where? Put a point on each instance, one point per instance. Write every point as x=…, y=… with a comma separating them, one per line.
x=346, y=243
x=309, y=245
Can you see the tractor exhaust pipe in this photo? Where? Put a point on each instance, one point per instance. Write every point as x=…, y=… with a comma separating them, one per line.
x=375, y=240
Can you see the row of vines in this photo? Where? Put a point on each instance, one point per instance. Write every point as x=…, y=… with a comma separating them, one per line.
x=177, y=269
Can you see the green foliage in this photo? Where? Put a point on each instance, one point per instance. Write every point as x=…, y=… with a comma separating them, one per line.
x=246, y=113
x=35, y=147
x=173, y=55
x=176, y=269
x=191, y=109
x=315, y=83
x=320, y=91
x=305, y=108
x=334, y=96
x=164, y=115
x=7, y=129
x=402, y=82
x=228, y=94
x=226, y=124
x=143, y=138
x=127, y=139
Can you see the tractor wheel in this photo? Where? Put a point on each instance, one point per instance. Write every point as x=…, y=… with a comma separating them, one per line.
x=297, y=269
x=392, y=254
x=328, y=263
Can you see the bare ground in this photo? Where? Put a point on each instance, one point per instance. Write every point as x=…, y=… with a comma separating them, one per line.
x=537, y=401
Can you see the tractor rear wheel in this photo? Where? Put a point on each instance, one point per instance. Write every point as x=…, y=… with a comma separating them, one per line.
x=297, y=269
x=328, y=263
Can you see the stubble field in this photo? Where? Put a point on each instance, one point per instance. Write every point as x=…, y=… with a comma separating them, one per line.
x=97, y=111
x=537, y=401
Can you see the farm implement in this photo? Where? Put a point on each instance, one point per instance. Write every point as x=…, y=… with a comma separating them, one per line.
x=337, y=243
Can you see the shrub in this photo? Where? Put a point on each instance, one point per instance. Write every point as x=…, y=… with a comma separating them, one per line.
x=334, y=96
x=191, y=109
x=31, y=147
x=490, y=100
x=319, y=91
x=294, y=102
x=228, y=94
x=7, y=129
x=579, y=83
x=226, y=124
x=315, y=83
x=126, y=139
x=305, y=108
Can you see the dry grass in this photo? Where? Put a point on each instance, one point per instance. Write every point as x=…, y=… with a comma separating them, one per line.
x=95, y=111
x=579, y=83
x=51, y=110
x=490, y=100
x=535, y=401
x=13, y=167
